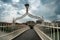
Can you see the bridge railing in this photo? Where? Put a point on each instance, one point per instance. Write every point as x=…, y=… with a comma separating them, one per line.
x=12, y=35
x=41, y=34
x=51, y=30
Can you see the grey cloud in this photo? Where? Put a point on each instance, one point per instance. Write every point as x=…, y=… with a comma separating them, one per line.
x=57, y=11
x=46, y=9
x=46, y=1
x=6, y=1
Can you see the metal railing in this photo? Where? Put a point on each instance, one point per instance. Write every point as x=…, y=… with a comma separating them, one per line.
x=41, y=34
x=11, y=35
x=51, y=30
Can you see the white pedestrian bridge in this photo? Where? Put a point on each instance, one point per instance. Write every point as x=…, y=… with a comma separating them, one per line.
x=45, y=32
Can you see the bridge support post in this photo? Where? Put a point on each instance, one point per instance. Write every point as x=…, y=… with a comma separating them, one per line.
x=57, y=33
x=53, y=33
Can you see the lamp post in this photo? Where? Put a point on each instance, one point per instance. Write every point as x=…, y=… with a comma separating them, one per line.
x=27, y=6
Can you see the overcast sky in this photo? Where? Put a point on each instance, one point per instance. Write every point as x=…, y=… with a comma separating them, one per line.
x=9, y=9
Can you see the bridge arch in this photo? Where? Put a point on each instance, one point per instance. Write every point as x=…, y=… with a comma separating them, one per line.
x=27, y=13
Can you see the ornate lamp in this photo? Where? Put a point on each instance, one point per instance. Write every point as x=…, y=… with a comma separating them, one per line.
x=27, y=6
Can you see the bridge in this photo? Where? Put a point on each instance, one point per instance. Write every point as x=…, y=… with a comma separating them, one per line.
x=39, y=32
x=43, y=31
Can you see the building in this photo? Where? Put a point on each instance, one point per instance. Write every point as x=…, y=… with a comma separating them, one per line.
x=9, y=24
x=32, y=23
x=58, y=22
x=5, y=24
x=39, y=21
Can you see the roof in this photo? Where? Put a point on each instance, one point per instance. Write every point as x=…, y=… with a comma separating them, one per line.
x=47, y=21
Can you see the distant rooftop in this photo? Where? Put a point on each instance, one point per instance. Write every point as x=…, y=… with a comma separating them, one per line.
x=47, y=21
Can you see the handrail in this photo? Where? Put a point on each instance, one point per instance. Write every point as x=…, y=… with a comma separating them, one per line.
x=49, y=26
x=13, y=34
x=52, y=30
x=42, y=34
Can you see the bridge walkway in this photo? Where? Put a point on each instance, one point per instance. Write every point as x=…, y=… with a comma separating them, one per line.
x=28, y=35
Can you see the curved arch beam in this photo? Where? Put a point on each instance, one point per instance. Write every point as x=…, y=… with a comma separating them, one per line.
x=30, y=15
x=21, y=17
x=36, y=17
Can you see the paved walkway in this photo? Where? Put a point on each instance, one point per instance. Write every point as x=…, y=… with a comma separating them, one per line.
x=28, y=35
x=2, y=33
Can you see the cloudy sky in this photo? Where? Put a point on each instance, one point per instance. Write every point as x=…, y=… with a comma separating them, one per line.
x=9, y=9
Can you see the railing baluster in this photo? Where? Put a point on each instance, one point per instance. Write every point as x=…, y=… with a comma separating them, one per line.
x=54, y=28
x=53, y=33
x=57, y=33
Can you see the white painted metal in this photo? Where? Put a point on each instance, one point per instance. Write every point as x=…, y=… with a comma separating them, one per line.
x=53, y=33
x=57, y=33
x=53, y=27
x=41, y=33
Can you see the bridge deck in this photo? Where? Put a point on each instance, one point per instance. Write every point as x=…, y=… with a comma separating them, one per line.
x=28, y=35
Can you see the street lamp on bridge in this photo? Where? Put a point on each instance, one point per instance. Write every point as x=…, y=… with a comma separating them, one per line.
x=27, y=6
